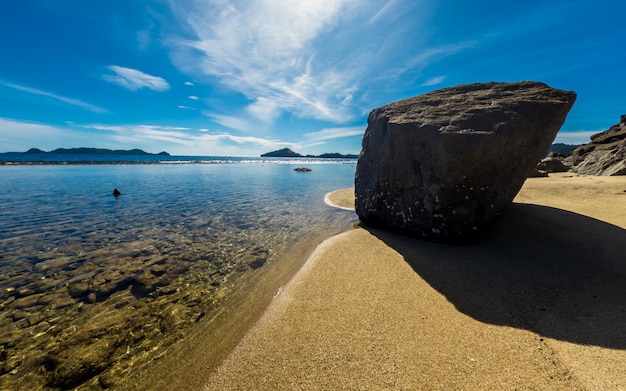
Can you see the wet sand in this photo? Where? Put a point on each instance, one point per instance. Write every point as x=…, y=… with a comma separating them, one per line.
x=540, y=303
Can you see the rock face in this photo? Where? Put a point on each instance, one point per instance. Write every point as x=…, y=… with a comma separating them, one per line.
x=605, y=154
x=442, y=166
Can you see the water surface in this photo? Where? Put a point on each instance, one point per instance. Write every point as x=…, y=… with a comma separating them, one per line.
x=93, y=286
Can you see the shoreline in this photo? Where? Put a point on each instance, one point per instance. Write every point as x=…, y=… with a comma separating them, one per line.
x=374, y=310
x=188, y=363
x=340, y=199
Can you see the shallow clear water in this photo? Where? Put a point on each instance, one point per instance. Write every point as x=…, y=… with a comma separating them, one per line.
x=84, y=273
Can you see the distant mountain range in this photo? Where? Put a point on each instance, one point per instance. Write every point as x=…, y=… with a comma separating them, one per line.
x=560, y=148
x=286, y=152
x=94, y=151
x=564, y=149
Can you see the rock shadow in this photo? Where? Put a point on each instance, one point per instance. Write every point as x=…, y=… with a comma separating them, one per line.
x=556, y=273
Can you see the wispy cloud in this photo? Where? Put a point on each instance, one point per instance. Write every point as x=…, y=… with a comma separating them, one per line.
x=429, y=55
x=266, y=50
x=143, y=39
x=321, y=137
x=236, y=122
x=18, y=136
x=133, y=79
x=264, y=109
x=189, y=141
x=433, y=81
x=313, y=59
x=384, y=10
x=69, y=101
x=333, y=133
x=576, y=138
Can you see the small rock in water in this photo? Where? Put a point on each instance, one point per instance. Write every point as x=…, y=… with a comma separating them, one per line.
x=258, y=262
x=116, y=192
x=302, y=169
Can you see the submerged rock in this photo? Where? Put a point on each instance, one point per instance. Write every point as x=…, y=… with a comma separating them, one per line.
x=605, y=154
x=442, y=166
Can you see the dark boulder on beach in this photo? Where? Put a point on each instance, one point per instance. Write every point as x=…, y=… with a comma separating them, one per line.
x=605, y=154
x=553, y=164
x=444, y=165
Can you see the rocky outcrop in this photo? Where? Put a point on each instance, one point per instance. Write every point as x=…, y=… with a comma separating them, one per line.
x=554, y=163
x=605, y=154
x=442, y=166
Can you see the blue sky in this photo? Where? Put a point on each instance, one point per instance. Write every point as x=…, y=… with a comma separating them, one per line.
x=239, y=78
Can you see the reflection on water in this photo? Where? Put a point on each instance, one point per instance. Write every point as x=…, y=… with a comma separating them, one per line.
x=92, y=285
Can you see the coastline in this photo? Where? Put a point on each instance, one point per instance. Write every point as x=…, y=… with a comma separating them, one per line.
x=187, y=364
x=536, y=305
x=342, y=199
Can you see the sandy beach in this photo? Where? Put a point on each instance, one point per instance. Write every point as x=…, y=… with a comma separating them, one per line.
x=539, y=304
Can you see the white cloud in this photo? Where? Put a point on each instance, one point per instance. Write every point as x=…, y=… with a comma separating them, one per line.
x=133, y=79
x=576, y=137
x=188, y=83
x=193, y=97
x=384, y=10
x=427, y=56
x=69, y=101
x=16, y=135
x=333, y=133
x=433, y=81
x=318, y=59
x=179, y=140
x=264, y=49
x=143, y=39
x=136, y=128
x=237, y=122
x=19, y=136
x=264, y=109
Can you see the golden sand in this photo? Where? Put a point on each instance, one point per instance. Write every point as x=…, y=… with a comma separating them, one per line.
x=539, y=304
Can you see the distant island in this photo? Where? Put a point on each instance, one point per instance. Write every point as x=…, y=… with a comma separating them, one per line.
x=286, y=152
x=94, y=151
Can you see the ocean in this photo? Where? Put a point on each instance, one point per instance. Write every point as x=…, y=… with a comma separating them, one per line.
x=94, y=286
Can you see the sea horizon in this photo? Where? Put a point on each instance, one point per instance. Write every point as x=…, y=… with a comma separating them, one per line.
x=25, y=158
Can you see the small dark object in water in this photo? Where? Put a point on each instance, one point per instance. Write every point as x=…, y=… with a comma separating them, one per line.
x=116, y=192
x=302, y=169
x=258, y=262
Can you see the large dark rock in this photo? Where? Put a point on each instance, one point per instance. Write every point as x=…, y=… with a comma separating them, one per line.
x=605, y=154
x=442, y=166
